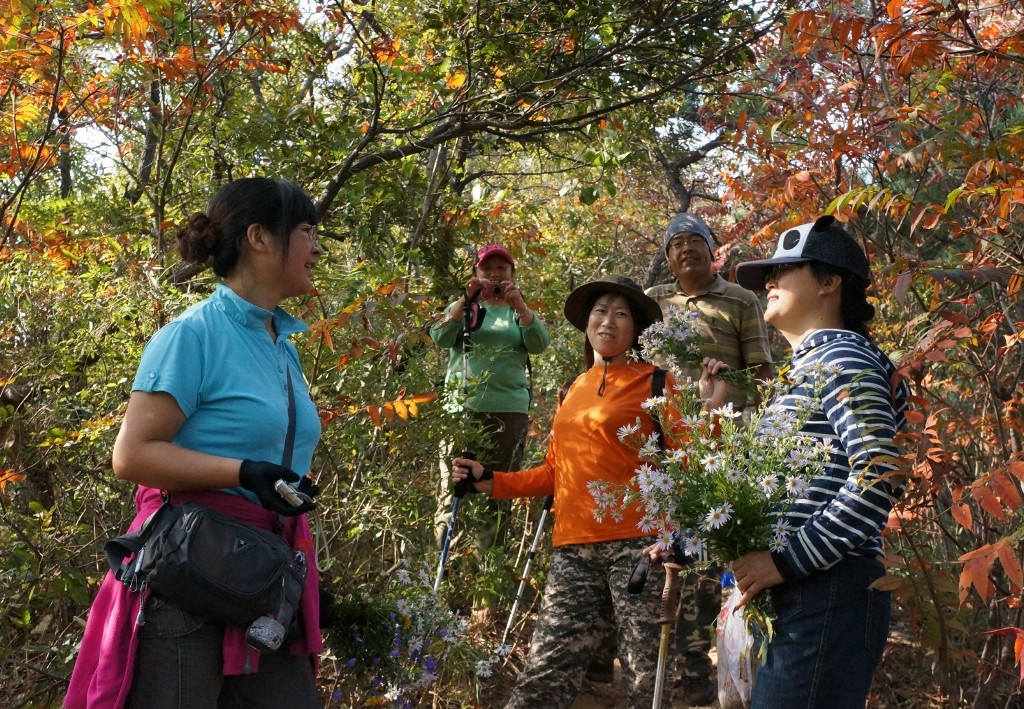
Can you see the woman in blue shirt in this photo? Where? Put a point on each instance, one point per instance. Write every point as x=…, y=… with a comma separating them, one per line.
x=208, y=421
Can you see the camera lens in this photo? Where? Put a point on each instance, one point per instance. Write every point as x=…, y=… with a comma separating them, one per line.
x=496, y=289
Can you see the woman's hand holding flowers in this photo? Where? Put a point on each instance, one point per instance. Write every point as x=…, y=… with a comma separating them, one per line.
x=754, y=573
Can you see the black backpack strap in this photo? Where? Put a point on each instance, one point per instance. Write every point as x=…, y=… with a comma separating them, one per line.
x=658, y=389
x=565, y=389
x=658, y=381
x=289, y=439
x=529, y=375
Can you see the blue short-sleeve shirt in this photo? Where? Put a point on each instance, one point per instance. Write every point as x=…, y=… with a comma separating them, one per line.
x=229, y=377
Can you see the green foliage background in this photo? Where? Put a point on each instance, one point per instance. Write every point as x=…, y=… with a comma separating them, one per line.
x=568, y=133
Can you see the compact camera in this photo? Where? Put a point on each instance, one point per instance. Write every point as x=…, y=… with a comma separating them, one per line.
x=495, y=289
x=293, y=497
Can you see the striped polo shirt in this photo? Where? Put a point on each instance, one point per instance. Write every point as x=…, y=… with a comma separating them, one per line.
x=843, y=511
x=732, y=328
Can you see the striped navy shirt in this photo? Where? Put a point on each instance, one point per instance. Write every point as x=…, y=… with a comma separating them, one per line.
x=843, y=511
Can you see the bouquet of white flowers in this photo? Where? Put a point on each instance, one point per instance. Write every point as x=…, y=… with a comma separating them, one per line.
x=723, y=484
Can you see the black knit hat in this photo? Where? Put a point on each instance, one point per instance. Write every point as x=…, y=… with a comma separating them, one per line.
x=822, y=240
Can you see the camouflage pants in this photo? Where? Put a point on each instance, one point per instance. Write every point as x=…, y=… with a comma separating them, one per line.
x=700, y=599
x=699, y=602
x=583, y=579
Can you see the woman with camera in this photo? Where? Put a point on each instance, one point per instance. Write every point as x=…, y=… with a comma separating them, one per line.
x=592, y=559
x=490, y=378
x=219, y=415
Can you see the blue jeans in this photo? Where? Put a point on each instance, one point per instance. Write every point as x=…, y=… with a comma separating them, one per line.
x=829, y=636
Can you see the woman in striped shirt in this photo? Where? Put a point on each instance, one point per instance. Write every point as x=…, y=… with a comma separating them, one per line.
x=831, y=626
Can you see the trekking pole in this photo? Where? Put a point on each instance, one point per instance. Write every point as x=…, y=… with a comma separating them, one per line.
x=526, y=568
x=461, y=488
x=470, y=321
x=669, y=610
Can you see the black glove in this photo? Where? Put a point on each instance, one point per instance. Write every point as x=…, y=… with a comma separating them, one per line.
x=465, y=486
x=259, y=477
x=307, y=487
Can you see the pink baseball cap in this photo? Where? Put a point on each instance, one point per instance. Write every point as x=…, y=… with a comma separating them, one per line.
x=493, y=250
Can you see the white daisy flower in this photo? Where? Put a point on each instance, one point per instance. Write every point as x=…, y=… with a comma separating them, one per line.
x=717, y=517
x=627, y=430
x=796, y=486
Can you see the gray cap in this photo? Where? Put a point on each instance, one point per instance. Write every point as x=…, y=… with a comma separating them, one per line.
x=688, y=222
x=822, y=240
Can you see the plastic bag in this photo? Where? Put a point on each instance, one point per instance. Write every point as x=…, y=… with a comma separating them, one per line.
x=736, y=652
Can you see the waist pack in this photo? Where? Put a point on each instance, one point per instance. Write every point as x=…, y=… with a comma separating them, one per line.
x=208, y=563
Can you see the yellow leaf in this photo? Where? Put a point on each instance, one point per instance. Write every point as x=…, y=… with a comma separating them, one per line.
x=456, y=80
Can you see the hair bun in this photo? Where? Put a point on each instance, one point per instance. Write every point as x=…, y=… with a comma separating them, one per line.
x=198, y=238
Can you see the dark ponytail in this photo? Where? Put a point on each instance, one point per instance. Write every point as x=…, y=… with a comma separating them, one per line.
x=215, y=237
x=854, y=308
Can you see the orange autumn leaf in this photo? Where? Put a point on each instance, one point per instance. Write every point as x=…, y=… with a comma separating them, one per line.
x=8, y=477
x=1018, y=646
x=385, y=50
x=977, y=565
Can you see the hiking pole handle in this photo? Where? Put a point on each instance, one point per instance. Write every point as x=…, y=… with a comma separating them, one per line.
x=465, y=486
x=670, y=594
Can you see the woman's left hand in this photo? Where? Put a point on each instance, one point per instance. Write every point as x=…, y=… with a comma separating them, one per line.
x=754, y=573
x=513, y=296
x=514, y=299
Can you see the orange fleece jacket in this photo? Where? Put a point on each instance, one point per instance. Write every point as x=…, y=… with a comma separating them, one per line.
x=583, y=447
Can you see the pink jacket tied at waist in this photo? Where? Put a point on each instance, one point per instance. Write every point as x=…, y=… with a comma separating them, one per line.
x=106, y=659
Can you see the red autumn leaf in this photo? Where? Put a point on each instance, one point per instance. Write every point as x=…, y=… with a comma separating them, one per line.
x=977, y=565
x=1017, y=468
x=1005, y=490
x=1011, y=565
x=987, y=499
x=1018, y=646
x=962, y=515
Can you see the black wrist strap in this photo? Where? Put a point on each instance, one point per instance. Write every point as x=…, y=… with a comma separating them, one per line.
x=487, y=474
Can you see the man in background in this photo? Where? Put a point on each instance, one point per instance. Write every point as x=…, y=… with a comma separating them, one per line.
x=733, y=331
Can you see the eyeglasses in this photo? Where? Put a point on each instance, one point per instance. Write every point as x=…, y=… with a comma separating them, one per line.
x=310, y=231
x=691, y=240
x=777, y=272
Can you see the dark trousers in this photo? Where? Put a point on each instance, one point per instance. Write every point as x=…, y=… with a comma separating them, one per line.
x=179, y=661
x=501, y=448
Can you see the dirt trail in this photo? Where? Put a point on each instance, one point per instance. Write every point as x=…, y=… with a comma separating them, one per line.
x=596, y=695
